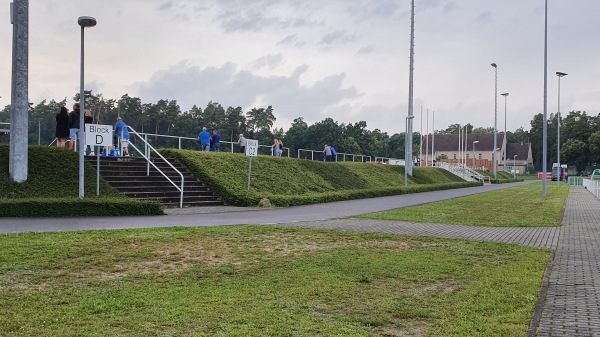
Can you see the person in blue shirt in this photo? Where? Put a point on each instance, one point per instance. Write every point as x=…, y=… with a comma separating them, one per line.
x=122, y=134
x=333, y=154
x=204, y=139
x=216, y=141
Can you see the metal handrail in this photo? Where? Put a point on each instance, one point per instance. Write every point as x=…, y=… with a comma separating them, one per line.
x=196, y=139
x=146, y=155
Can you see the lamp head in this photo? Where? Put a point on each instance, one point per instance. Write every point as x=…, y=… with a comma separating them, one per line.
x=504, y=94
x=559, y=74
x=494, y=65
x=410, y=117
x=475, y=142
x=86, y=21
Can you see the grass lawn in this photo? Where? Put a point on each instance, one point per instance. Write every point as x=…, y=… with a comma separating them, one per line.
x=263, y=281
x=521, y=206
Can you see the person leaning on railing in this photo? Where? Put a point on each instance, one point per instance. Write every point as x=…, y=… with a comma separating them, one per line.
x=242, y=143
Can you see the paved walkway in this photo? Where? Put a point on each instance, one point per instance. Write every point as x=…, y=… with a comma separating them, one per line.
x=572, y=306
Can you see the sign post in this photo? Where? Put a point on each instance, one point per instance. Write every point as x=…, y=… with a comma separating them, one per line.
x=251, y=151
x=96, y=136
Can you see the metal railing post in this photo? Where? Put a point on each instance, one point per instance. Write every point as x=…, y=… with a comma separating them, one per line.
x=180, y=143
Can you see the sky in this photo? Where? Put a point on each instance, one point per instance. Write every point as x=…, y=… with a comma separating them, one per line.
x=344, y=59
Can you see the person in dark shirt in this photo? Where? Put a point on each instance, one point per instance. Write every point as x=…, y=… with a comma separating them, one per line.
x=74, y=125
x=62, y=127
x=216, y=141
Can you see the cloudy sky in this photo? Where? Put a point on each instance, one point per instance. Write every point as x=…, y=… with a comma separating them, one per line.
x=344, y=59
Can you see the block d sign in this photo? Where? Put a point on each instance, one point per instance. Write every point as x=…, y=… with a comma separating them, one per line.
x=98, y=135
x=251, y=147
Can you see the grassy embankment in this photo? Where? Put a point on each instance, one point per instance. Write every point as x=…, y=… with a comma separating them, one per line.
x=290, y=181
x=502, y=177
x=52, y=189
x=263, y=281
x=521, y=206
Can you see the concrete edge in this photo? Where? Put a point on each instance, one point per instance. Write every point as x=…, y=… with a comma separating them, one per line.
x=539, y=306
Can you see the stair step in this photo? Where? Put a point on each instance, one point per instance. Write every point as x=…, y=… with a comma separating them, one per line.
x=129, y=176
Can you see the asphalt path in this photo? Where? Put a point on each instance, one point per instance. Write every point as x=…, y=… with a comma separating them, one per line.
x=269, y=216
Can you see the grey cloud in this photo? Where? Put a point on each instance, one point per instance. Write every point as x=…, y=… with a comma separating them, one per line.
x=191, y=85
x=366, y=50
x=337, y=37
x=166, y=6
x=450, y=7
x=483, y=18
x=291, y=40
x=269, y=61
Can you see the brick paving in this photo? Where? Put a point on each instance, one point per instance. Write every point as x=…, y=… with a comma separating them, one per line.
x=527, y=236
x=572, y=306
x=572, y=288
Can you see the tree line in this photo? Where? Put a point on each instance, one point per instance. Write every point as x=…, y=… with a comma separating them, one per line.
x=580, y=133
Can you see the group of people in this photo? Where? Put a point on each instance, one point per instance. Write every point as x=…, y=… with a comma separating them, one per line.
x=277, y=147
x=68, y=126
x=209, y=142
x=330, y=153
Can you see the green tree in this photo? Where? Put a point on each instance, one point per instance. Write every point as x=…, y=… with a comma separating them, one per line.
x=260, y=119
x=594, y=145
x=574, y=152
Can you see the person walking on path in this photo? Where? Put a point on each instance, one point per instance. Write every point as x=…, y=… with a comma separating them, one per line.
x=122, y=136
x=216, y=141
x=74, y=125
x=242, y=143
x=62, y=127
x=204, y=139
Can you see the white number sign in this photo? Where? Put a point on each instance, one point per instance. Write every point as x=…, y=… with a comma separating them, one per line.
x=251, y=147
x=98, y=135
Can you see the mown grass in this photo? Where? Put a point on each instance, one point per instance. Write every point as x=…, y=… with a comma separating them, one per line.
x=521, y=206
x=263, y=281
x=290, y=181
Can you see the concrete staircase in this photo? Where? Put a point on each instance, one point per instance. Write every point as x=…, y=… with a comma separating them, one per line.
x=129, y=176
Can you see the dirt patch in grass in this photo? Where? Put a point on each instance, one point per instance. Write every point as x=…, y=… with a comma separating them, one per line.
x=415, y=330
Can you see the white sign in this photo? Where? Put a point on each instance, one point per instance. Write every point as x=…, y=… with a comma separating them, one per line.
x=98, y=135
x=251, y=147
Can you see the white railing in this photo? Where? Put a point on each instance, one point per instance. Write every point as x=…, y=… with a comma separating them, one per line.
x=146, y=155
x=463, y=172
x=321, y=156
x=593, y=186
x=195, y=140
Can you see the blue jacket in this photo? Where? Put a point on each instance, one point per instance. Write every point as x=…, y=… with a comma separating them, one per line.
x=204, y=137
x=121, y=127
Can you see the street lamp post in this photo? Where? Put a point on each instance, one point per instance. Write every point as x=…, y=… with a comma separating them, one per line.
x=495, y=119
x=474, y=162
x=559, y=74
x=514, y=165
x=83, y=21
x=504, y=142
x=406, y=160
x=545, y=123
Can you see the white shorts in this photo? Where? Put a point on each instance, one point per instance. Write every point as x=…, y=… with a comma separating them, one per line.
x=124, y=142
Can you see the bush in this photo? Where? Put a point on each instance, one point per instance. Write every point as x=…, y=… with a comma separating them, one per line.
x=68, y=207
x=290, y=181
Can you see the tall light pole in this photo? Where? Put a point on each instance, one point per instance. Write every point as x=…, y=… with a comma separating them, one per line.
x=545, y=123
x=559, y=74
x=19, y=101
x=83, y=21
x=407, y=160
x=504, y=142
x=474, y=162
x=408, y=152
x=495, y=119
